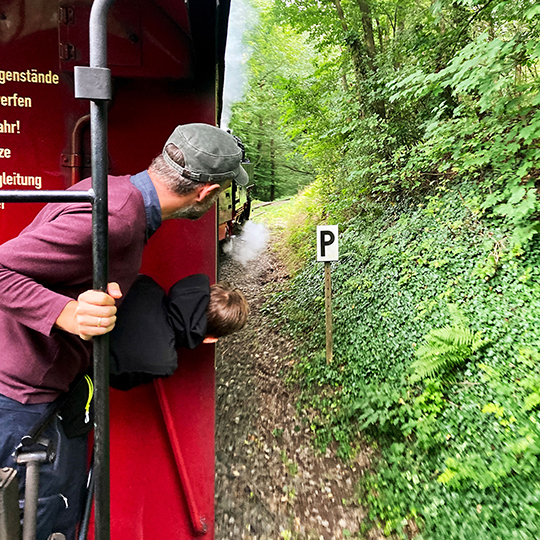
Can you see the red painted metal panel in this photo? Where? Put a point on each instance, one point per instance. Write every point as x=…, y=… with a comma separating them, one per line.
x=147, y=496
x=145, y=39
x=142, y=457
x=148, y=499
x=30, y=114
x=143, y=115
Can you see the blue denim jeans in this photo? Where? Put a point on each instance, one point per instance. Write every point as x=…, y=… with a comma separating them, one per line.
x=62, y=482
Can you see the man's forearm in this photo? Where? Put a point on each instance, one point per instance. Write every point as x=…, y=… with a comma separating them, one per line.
x=28, y=302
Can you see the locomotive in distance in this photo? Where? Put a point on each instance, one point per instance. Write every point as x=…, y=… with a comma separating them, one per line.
x=234, y=204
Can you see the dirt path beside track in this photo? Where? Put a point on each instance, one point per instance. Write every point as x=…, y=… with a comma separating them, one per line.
x=270, y=483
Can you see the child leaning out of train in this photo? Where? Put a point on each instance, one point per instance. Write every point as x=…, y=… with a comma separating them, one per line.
x=151, y=325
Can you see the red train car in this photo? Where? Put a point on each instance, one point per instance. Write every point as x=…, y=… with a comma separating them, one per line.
x=166, y=58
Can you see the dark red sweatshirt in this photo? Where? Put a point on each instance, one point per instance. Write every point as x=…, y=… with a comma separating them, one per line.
x=41, y=270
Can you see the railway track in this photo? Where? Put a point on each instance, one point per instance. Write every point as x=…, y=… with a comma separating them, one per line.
x=269, y=479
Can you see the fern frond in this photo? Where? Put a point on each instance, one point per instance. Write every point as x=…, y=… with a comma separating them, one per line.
x=445, y=349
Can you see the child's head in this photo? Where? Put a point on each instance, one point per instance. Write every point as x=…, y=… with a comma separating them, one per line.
x=227, y=310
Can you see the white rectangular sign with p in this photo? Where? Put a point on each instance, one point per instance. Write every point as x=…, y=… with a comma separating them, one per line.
x=327, y=243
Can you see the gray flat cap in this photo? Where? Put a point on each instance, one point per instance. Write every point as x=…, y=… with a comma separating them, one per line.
x=211, y=154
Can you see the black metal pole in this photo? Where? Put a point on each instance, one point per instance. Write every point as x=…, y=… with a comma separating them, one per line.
x=30, y=500
x=100, y=249
x=92, y=83
x=85, y=523
x=46, y=196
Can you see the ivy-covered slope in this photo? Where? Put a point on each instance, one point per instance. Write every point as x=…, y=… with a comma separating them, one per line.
x=437, y=359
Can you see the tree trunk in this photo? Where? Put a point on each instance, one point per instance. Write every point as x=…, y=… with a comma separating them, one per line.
x=341, y=15
x=369, y=40
x=379, y=32
x=353, y=45
x=259, y=159
x=259, y=140
x=344, y=82
x=367, y=25
x=272, y=171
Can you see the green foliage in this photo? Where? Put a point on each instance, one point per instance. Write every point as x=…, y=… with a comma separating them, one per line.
x=491, y=136
x=277, y=53
x=401, y=272
x=445, y=348
x=423, y=130
x=294, y=224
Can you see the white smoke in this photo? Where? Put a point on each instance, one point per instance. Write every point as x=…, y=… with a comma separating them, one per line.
x=249, y=244
x=242, y=18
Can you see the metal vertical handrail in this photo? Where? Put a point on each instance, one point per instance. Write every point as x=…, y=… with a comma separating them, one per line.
x=98, y=90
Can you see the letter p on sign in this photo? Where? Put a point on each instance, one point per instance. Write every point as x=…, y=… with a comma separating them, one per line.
x=327, y=243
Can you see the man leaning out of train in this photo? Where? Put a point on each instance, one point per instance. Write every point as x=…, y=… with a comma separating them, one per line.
x=49, y=312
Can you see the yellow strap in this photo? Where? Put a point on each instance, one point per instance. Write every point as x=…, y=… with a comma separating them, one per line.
x=90, y=396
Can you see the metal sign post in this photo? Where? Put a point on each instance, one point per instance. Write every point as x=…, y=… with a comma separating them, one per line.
x=327, y=251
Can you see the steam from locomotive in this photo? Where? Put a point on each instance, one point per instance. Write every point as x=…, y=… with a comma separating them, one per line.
x=250, y=243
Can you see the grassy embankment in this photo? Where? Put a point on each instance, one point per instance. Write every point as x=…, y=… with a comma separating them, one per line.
x=436, y=357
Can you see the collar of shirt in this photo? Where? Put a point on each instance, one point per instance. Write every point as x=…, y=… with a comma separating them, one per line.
x=152, y=207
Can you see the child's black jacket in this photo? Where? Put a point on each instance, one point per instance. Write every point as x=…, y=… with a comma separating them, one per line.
x=151, y=325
